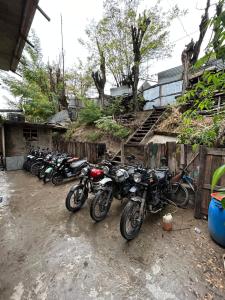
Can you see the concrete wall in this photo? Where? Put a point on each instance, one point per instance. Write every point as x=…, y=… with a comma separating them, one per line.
x=17, y=145
x=14, y=163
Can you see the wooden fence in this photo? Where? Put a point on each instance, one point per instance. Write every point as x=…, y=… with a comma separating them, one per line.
x=203, y=162
x=94, y=152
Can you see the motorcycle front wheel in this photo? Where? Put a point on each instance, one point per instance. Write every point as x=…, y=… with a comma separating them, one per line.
x=76, y=199
x=47, y=176
x=130, y=224
x=57, y=179
x=41, y=173
x=35, y=168
x=100, y=205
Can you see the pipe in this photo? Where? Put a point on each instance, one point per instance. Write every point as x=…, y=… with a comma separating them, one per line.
x=43, y=13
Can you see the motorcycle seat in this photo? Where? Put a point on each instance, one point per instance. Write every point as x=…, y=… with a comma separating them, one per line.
x=72, y=159
x=78, y=163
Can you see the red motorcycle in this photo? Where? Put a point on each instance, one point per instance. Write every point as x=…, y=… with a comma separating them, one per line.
x=78, y=194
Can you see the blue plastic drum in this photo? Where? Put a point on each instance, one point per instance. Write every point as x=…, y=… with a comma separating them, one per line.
x=216, y=221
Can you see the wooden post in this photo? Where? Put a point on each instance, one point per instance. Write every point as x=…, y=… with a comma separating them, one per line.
x=200, y=183
x=122, y=153
x=3, y=145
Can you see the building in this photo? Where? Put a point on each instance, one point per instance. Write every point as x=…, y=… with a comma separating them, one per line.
x=16, y=137
x=169, y=86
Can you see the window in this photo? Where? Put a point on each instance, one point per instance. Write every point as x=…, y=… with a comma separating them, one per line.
x=30, y=134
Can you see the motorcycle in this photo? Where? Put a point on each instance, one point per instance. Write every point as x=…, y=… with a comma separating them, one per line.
x=48, y=169
x=78, y=193
x=68, y=168
x=116, y=183
x=152, y=191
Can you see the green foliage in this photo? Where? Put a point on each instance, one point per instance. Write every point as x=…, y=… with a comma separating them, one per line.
x=217, y=175
x=94, y=136
x=113, y=33
x=90, y=113
x=202, y=97
x=111, y=127
x=33, y=88
x=194, y=135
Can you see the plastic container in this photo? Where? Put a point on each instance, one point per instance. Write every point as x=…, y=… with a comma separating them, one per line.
x=216, y=220
x=167, y=222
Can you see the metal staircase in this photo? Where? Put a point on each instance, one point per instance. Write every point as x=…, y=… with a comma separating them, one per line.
x=144, y=130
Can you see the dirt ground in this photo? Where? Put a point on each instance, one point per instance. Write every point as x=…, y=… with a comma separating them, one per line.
x=48, y=253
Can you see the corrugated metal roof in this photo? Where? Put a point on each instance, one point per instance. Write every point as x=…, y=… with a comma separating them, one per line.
x=170, y=75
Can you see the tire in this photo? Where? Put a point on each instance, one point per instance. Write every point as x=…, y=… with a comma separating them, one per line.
x=77, y=198
x=99, y=206
x=179, y=195
x=57, y=179
x=25, y=165
x=130, y=214
x=35, y=168
x=41, y=173
x=48, y=176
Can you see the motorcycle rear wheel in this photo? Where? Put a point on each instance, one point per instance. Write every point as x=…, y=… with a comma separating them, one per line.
x=76, y=199
x=100, y=205
x=129, y=223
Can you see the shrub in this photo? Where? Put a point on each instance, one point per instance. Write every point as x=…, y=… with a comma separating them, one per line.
x=94, y=136
x=90, y=113
x=71, y=130
x=110, y=126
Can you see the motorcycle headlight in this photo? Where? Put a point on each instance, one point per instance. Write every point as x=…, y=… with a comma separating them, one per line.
x=105, y=170
x=84, y=171
x=137, y=177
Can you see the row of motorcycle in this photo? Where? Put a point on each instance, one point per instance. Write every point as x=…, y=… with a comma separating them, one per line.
x=145, y=190
x=53, y=166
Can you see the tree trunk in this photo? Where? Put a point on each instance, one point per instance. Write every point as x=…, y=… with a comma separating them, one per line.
x=137, y=38
x=190, y=54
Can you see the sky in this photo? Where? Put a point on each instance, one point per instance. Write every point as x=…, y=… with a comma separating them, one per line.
x=77, y=14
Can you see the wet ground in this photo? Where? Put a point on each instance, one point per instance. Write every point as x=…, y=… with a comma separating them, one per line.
x=48, y=253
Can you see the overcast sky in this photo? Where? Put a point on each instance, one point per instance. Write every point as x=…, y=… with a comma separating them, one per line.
x=77, y=14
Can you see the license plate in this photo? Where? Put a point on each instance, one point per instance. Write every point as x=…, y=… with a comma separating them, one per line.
x=48, y=170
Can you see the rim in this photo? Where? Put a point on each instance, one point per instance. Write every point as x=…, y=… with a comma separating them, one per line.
x=132, y=222
x=76, y=198
x=101, y=205
x=58, y=179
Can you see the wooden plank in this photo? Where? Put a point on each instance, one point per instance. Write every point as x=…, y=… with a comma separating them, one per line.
x=171, y=152
x=200, y=183
x=216, y=151
x=208, y=187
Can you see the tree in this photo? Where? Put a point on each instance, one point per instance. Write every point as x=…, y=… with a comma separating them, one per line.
x=40, y=86
x=79, y=80
x=99, y=77
x=125, y=52
x=190, y=54
x=218, y=23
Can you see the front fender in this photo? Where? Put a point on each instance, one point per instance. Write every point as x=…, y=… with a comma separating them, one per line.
x=73, y=188
x=136, y=199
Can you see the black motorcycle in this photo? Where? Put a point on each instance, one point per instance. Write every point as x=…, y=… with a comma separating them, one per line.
x=116, y=183
x=78, y=193
x=67, y=169
x=151, y=192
